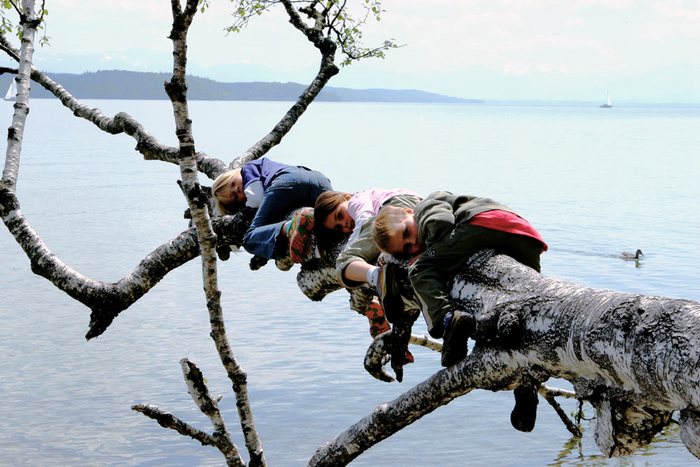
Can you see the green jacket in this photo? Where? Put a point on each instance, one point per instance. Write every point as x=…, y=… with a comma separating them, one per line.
x=442, y=221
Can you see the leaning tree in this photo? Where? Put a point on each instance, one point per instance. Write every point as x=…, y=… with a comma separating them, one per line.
x=633, y=357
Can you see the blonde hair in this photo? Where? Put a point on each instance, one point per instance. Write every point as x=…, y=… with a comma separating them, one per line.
x=221, y=182
x=383, y=230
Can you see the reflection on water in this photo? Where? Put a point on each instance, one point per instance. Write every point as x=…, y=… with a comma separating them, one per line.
x=67, y=402
x=574, y=453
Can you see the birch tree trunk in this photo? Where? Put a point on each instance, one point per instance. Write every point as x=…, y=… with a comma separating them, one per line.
x=633, y=357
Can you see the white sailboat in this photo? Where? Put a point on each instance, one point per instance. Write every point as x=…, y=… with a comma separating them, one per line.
x=608, y=104
x=11, y=93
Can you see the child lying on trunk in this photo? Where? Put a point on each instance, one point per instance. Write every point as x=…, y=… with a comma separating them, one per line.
x=440, y=234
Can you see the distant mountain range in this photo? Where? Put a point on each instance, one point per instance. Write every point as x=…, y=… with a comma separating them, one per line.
x=118, y=84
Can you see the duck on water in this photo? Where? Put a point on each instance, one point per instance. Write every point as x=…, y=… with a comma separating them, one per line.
x=631, y=256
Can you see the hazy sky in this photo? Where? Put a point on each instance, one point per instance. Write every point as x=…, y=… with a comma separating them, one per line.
x=641, y=50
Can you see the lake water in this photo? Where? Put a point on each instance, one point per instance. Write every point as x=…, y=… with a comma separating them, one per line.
x=594, y=182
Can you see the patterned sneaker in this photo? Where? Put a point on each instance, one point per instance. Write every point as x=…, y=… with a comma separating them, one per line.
x=454, y=342
x=299, y=230
x=377, y=321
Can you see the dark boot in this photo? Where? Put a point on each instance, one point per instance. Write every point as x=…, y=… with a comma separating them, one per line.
x=524, y=413
x=454, y=341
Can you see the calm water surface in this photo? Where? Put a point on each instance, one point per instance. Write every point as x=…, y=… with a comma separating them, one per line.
x=594, y=182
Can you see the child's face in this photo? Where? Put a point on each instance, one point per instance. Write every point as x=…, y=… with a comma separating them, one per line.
x=232, y=195
x=340, y=220
x=404, y=236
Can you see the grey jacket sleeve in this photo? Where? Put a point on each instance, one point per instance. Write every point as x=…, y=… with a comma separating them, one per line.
x=435, y=219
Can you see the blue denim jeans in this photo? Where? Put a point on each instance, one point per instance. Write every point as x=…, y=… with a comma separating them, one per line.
x=292, y=188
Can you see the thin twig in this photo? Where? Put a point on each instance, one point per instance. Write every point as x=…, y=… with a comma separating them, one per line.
x=168, y=420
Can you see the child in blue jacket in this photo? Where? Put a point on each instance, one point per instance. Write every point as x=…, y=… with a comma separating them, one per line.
x=275, y=190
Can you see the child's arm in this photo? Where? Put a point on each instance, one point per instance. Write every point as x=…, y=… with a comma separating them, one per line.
x=429, y=272
x=356, y=271
x=362, y=251
x=435, y=217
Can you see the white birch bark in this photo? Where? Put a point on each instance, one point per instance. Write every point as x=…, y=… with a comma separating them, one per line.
x=15, y=133
x=199, y=208
x=633, y=357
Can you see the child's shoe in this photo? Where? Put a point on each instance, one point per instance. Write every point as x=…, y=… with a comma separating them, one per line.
x=284, y=264
x=389, y=290
x=459, y=326
x=299, y=230
x=524, y=413
x=256, y=262
x=377, y=321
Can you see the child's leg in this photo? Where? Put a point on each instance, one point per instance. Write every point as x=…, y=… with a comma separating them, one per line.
x=525, y=250
x=292, y=189
x=524, y=414
x=377, y=321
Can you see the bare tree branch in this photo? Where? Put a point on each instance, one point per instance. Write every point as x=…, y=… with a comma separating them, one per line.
x=199, y=209
x=167, y=420
x=571, y=426
x=393, y=416
x=209, y=407
x=146, y=144
x=427, y=342
x=327, y=70
x=107, y=300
